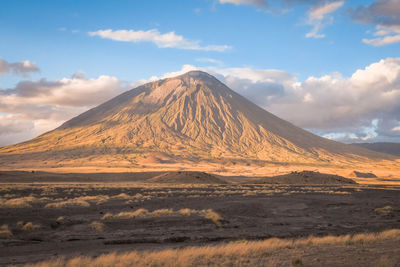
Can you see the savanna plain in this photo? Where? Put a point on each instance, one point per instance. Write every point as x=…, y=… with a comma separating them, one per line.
x=196, y=219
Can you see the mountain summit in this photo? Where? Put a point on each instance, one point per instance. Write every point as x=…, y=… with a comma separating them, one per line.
x=189, y=118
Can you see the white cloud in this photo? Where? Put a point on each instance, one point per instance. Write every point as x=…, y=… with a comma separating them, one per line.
x=34, y=107
x=318, y=17
x=389, y=39
x=20, y=68
x=166, y=40
x=396, y=129
x=385, y=16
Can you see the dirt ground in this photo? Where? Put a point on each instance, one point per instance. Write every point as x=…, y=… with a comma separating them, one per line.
x=69, y=217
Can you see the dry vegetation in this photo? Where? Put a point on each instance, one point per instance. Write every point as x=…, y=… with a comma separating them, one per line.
x=244, y=253
x=387, y=210
x=144, y=213
x=80, y=195
x=29, y=226
x=5, y=232
x=73, y=219
x=98, y=226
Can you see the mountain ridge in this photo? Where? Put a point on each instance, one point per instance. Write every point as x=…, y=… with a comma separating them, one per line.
x=192, y=117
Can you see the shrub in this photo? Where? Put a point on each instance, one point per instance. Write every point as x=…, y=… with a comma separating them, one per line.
x=5, y=232
x=387, y=210
x=68, y=203
x=30, y=226
x=98, y=226
x=21, y=202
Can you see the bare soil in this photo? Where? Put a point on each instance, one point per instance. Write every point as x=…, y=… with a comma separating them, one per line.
x=248, y=211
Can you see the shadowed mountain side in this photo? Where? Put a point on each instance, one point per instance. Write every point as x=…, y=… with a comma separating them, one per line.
x=189, y=118
x=358, y=174
x=185, y=177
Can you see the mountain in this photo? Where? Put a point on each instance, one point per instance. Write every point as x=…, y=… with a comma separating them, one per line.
x=382, y=147
x=191, y=118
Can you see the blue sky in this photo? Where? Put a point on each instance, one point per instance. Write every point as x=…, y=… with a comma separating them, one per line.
x=218, y=36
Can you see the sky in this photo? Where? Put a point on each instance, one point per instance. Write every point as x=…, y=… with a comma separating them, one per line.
x=331, y=67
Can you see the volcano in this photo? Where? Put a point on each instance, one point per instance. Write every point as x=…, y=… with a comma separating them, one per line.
x=189, y=118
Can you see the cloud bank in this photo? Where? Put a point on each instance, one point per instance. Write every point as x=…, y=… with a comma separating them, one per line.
x=166, y=40
x=34, y=107
x=362, y=107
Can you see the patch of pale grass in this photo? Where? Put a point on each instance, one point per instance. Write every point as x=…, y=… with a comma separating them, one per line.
x=60, y=219
x=212, y=215
x=387, y=210
x=5, y=232
x=231, y=254
x=185, y=212
x=99, y=199
x=79, y=201
x=68, y=203
x=144, y=213
x=98, y=226
x=21, y=202
x=29, y=226
x=122, y=196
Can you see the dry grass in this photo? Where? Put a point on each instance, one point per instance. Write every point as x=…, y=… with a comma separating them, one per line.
x=387, y=210
x=144, y=213
x=29, y=226
x=5, y=232
x=21, y=202
x=79, y=201
x=212, y=215
x=98, y=226
x=68, y=203
x=232, y=254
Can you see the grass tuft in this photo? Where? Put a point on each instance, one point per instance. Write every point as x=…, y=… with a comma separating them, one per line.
x=143, y=213
x=5, y=232
x=98, y=226
x=387, y=210
x=29, y=226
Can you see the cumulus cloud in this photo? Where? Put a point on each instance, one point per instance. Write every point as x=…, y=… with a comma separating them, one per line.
x=166, y=40
x=385, y=16
x=19, y=68
x=34, y=107
x=366, y=105
x=362, y=107
x=319, y=17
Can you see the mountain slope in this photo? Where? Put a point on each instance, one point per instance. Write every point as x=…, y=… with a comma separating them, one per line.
x=189, y=118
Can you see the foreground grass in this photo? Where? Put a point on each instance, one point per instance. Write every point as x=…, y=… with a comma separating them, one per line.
x=243, y=253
